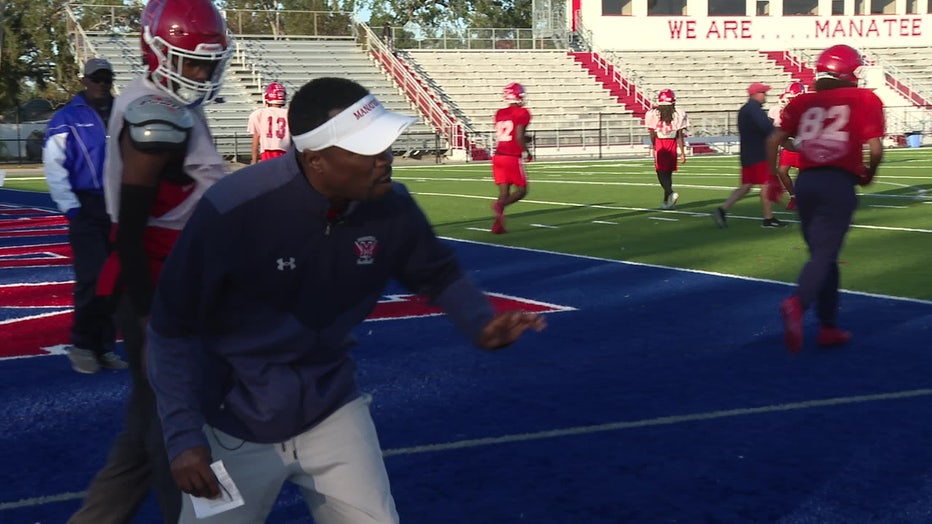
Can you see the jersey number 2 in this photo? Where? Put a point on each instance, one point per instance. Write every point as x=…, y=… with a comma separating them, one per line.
x=504, y=130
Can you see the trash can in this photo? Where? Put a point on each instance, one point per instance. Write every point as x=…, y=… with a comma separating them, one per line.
x=914, y=139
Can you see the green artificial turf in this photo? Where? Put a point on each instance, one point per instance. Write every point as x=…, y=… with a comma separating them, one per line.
x=611, y=209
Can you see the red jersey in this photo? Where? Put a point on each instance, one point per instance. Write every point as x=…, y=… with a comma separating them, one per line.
x=831, y=127
x=507, y=120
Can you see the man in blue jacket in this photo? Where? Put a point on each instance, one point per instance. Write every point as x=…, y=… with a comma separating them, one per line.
x=251, y=326
x=73, y=155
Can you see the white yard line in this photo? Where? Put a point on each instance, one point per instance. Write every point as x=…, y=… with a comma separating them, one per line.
x=655, y=210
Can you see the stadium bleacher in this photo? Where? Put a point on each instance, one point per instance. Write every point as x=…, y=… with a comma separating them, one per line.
x=258, y=61
x=571, y=108
x=567, y=104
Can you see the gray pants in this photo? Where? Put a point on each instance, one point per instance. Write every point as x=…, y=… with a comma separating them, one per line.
x=337, y=464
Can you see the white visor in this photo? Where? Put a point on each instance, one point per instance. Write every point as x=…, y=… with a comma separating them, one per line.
x=365, y=128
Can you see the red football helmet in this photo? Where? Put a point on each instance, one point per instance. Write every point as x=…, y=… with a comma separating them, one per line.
x=795, y=88
x=839, y=61
x=275, y=94
x=514, y=93
x=177, y=30
x=666, y=97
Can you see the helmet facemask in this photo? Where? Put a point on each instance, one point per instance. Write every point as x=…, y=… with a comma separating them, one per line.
x=168, y=75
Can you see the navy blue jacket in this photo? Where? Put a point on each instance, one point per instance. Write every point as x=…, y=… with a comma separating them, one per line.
x=753, y=128
x=251, y=323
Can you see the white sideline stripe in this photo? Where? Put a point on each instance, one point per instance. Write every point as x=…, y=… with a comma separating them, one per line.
x=579, y=430
x=659, y=421
x=61, y=310
x=888, y=207
x=544, y=226
x=665, y=219
x=579, y=182
x=683, y=270
x=654, y=210
x=919, y=195
x=38, y=501
x=604, y=222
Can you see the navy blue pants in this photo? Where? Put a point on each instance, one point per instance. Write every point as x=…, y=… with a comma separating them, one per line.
x=826, y=200
x=88, y=233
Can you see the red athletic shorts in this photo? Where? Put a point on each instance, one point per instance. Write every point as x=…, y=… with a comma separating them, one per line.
x=665, y=154
x=508, y=170
x=271, y=153
x=789, y=158
x=757, y=174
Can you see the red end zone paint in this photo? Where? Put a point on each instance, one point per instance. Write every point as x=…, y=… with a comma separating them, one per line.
x=38, y=315
x=395, y=307
x=27, y=336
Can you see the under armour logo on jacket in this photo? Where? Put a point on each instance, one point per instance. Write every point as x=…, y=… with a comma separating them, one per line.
x=286, y=263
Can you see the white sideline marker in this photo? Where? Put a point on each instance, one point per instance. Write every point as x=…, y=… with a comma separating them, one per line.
x=545, y=226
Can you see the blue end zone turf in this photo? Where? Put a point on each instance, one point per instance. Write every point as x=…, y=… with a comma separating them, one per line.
x=664, y=396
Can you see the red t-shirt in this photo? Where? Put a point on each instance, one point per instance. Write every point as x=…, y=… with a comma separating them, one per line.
x=831, y=127
x=507, y=120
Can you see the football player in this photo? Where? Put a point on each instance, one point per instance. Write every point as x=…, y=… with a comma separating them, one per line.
x=667, y=127
x=160, y=160
x=832, y=126
x=788, y=158
x=511, y=145
x=269, y=125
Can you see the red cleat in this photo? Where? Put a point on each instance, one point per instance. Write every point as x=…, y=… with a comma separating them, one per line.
x=498, y=228
x=792, y=312
x=832, y=336
x=791, y=205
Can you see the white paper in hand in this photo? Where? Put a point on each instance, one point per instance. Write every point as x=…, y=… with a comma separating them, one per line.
x=228, y=499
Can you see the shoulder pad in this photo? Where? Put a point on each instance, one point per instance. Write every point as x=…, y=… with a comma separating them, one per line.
x=158, y=123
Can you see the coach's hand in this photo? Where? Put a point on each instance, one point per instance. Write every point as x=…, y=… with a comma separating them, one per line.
x=507, y=326
x=192, y=473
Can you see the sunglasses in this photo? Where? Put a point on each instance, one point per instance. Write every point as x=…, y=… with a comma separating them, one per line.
x=101, y=79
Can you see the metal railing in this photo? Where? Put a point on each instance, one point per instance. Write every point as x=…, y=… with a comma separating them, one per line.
x=416, y=92
x=81, y=46
x=609, y=61
x=898, y=80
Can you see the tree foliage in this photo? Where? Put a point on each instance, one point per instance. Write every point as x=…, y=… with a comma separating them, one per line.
x=304, y=17
x=436, y=14
x=37, y=59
